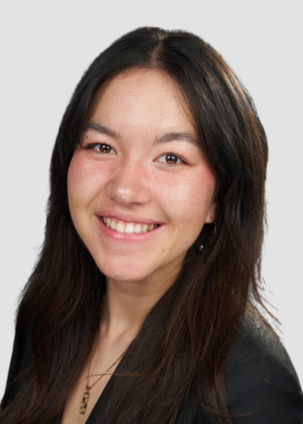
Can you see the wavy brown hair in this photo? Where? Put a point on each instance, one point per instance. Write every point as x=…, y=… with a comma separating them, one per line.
x=182, y=346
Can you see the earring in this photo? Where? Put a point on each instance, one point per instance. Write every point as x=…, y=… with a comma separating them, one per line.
x=201, y=246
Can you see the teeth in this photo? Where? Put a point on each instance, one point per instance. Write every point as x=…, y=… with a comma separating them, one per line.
x=120, y=227
x=138, y=228
x=144, y=228
x=128, y=228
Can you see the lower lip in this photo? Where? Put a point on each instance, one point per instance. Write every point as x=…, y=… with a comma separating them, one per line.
x=125, y=237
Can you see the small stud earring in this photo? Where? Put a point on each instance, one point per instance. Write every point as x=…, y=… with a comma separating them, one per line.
x=201, y=246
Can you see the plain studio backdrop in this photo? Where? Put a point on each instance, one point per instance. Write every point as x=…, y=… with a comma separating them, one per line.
x=45, y=49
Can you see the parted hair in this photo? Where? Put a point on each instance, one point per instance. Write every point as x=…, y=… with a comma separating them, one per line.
x=183, y=343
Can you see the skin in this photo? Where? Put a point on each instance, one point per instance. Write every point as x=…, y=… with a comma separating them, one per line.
x=134, y=181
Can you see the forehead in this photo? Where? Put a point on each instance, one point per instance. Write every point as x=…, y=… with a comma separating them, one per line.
x=144, y=97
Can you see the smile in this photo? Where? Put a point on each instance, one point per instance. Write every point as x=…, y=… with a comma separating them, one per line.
x=128, y=227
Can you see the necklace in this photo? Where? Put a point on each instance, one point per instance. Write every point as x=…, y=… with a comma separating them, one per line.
x=86, y=394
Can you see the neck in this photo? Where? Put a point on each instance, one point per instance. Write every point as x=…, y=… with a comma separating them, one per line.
x=127, y=304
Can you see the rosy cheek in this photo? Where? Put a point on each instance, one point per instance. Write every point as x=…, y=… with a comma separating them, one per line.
x=86, y=179
x=78, y=181
x=81, y=170
x=188, y=197
x=74, y=171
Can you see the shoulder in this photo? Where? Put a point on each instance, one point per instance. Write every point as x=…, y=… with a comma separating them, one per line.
x=261, y=381
x=255, y=340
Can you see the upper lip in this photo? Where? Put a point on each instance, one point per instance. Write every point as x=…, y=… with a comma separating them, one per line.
x=127, y=218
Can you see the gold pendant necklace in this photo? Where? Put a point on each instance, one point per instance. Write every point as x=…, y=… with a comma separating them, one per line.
x=85, y=400
x=86, y=394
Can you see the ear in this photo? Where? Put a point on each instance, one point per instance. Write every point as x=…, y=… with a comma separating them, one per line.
x=211, y=214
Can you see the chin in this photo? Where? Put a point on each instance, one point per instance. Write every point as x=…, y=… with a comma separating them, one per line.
x=123, y=273
x=125, y=278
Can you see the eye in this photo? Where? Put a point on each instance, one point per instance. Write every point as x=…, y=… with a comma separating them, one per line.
x=103, y=148
x=171, y=159
x=100, y=147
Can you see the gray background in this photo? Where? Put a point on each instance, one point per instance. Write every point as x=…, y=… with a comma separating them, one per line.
x=45, y=48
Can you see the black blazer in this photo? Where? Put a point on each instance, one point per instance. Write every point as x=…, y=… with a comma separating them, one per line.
x=262, y=385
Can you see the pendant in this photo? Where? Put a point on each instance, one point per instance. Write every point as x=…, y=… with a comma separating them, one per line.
x=85, y=400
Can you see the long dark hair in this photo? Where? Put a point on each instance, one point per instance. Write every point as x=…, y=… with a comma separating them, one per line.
x=183, y=342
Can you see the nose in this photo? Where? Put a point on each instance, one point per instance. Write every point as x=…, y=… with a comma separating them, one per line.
x=128, y=185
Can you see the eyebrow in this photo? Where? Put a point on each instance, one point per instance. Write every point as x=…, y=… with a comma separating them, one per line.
x=95, y=126
x=172, y=136
x=177, y=136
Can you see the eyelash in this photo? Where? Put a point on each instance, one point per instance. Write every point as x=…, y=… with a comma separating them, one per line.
x=180, y=159
x=91, y=146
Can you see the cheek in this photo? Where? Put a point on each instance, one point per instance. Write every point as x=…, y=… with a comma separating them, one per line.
x=188, y=198
x=84, y=181
x=77, y=181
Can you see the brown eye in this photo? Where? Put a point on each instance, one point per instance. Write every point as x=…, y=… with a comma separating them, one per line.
x=171, y=159
x=104, y=148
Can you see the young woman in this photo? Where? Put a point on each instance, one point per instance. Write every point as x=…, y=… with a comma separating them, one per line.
x=144, y=305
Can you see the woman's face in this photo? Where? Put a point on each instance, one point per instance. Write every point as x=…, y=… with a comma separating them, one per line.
x=139, y=187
